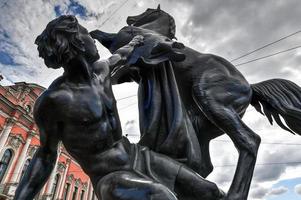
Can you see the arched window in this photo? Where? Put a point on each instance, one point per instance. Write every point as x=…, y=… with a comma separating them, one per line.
x=55, y=184
x=4, y=163
x=82, y=195
x=26, y=164
x=28, y=108
x=74, y=193
x=67, y=188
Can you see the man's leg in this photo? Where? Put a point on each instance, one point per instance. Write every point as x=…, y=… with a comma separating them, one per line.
x=124, y=185
x=191, y=186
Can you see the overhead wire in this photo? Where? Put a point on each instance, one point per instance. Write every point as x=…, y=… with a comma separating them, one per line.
x=266, y=45
x=267, y=56
x=266, y=143
x=262, y=164
x=125, y=107
x=216, y=166
x=113, y=13
x=123, y=98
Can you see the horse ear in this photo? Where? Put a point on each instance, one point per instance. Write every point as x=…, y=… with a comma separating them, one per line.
x=158, y=8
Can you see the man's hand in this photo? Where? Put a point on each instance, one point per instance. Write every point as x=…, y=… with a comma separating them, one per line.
x=127, y=50
x=137, y=41
x=171, y=48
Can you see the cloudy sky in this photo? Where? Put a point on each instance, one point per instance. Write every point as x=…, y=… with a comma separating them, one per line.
x=229, y=28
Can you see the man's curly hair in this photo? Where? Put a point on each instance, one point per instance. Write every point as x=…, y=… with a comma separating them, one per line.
x=59, y=42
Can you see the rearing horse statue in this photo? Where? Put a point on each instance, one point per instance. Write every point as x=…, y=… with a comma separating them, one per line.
x=213, y=93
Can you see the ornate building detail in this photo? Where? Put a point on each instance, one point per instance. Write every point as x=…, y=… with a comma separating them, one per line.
x=61, y=167
x=13, y=91
x=11, y=120
x=78, y=182
x=21, y=120
x=28, y=107
x=70, y=178
x=85, y=186
x=24, y=94
x=15, y=141
x=32, y=150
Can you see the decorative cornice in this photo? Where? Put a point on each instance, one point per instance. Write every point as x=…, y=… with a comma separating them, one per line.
x=4, y=114
x=61, y=167
x=15, y=141
x=32, y=150
x=78, y=182
x=32, y=133
x=11, y=120
x=85, y=186
x=70, y=178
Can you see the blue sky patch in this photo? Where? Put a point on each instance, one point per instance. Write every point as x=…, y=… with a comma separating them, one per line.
x=290, y=194
x=57, y=10
x=6, y=59
x=74, y=8
x=77, y=8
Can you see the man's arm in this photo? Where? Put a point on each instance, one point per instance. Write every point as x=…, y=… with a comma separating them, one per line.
x=121, y=56
x=44, y=159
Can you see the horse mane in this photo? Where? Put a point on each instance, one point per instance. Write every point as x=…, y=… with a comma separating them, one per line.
x=172, y=27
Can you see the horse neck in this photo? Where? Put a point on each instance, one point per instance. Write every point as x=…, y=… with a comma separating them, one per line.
x=106, y=39
x=158, y=26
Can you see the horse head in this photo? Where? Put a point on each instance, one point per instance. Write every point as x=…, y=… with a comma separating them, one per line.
x=155, y=20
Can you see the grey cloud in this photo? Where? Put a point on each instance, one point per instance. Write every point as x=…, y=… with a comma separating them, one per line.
x=277, y=191
x=258, y=192
x=298, y=189
x=276, y=164
x=263, y=173
x=231, y=28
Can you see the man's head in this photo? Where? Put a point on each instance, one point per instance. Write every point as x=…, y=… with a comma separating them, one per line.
x=63, y=40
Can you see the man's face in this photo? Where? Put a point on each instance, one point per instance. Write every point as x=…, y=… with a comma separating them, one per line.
x=91, y=52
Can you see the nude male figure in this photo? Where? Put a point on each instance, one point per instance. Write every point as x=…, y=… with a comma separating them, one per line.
x=79, y=109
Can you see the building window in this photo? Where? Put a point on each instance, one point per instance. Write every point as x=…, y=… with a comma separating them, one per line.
x=28, y=108
x=4, y=163
x=26, y=164
x=55, y=184
x=74, y=193
x=67, y=188
x=82, y=195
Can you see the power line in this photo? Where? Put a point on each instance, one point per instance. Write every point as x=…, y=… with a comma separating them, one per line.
x=217, y=166
x=113, y=13
x=268, y=143
x=267, y=56
x=262, y=164
x=126, y=97
x=264, y=46
x=125, y=107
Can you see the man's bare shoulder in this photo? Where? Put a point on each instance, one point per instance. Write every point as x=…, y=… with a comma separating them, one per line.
x=47, y=103
x=102, y=69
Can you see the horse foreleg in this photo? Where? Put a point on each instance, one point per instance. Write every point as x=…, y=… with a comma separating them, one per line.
x=206, y=165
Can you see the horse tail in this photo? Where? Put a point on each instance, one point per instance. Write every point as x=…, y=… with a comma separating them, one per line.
x=279, y=97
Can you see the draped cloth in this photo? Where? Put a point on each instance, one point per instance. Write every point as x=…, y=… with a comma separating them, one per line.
x=164, y=124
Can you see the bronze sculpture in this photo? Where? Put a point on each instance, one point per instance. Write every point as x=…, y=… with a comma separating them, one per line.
x=214, y=97
x=79, y=109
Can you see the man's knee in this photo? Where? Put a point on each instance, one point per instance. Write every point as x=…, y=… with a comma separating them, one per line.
x=126, y=185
